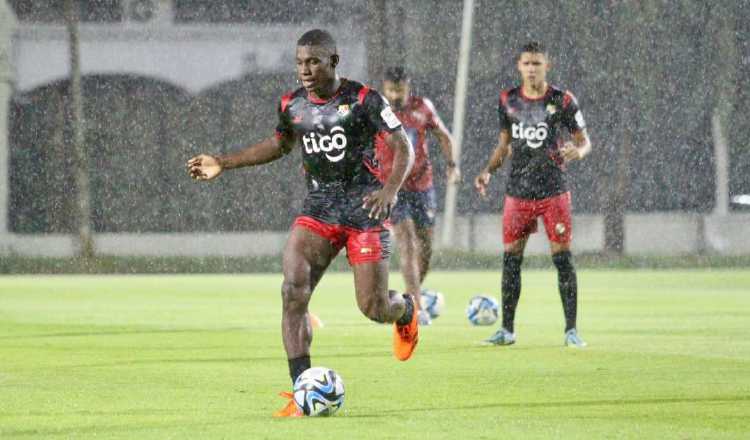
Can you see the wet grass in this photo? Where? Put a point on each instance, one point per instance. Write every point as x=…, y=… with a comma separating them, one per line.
x=443, y=260
x=200, y=356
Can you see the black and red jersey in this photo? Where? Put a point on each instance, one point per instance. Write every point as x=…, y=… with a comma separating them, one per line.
x=338, y=136
x=417, y=116
x=536, y=127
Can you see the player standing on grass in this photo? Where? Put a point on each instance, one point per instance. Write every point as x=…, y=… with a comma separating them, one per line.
x=413, y=216
x=338, y=125
x=532, y=118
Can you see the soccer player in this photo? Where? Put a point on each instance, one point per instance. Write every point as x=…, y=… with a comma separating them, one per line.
x=336, y=123
x=413, y=216
x=533, y=119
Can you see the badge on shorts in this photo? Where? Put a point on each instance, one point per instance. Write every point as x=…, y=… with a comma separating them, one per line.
x=560, y=229
x=551, y=109
x=343, y=110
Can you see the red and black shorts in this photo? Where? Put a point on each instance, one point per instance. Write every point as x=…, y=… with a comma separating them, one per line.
x=339, y=218
x=519, y=218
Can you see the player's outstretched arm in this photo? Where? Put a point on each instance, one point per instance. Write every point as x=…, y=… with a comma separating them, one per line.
x=448, y=148
x=579, y=148
x=380, y=202
x=501, y=152
x=207, y=167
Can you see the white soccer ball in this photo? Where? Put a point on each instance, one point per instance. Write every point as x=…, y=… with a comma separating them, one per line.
x=431, y=301
x=482, y=310
x=319, y=391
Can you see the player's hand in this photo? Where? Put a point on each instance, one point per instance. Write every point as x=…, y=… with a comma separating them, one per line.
x=380, y=203
x=204, y=167
x=453, y=175
x=570, y=152
x=481, y=182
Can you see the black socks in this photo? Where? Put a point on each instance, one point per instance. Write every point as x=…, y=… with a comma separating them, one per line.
x=408, y=313
x=568, y=283
x=511, y=288
x=297, y=366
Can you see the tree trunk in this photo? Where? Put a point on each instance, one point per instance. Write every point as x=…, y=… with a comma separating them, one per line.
x=83, y=214
x=376, y=39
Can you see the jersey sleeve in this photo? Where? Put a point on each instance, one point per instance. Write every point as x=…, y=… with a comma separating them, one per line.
x=284, y=126
x=380, y=113
x=433, y=119
x=572, y=116
x=502, y=111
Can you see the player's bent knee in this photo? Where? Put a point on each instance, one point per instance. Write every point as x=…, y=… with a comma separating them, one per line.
x=563, y=261
x=295, y=295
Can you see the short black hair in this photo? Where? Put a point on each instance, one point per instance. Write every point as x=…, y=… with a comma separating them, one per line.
x=318, y=37
x=396, y=74
x=533, y=47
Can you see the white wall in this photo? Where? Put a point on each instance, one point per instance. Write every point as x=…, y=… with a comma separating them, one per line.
x=193, y=57
x=656, y=234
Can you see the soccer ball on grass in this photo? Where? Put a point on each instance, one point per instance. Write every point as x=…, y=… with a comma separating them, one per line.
x=432, y=302
x=482, y=310
x=319, y=391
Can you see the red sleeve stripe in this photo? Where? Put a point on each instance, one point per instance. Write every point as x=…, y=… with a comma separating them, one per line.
x=504, y=97
x=285, y=101
x=363, y=94
x=567, y=98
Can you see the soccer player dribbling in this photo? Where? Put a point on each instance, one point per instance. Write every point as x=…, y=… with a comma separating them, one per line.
x=532, y=119
x=336, y=123
x=413, y=217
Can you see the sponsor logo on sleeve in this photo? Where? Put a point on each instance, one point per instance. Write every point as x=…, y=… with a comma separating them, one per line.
x=390, y=118
x=579, y=119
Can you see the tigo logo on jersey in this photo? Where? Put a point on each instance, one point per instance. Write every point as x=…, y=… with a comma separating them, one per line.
x=534, y=136
x=331, y=144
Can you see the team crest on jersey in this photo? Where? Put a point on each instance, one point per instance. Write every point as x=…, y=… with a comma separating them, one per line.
x=343, y=110
x=551, y=109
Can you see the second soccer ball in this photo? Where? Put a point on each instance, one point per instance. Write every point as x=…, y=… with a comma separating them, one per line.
x=482, y=310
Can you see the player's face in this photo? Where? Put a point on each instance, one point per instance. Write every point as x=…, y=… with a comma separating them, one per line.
x=396, y=92
x=314, y=67
x=533, y=67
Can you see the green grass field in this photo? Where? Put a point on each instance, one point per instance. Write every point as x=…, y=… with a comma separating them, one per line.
x=162, y=357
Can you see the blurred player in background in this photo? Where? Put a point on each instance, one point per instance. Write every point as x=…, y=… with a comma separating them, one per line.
x=413, y=217
x=336, y=123
x=532, y=119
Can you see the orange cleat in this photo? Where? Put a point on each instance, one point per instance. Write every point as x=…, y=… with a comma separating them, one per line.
x=290, y=409
x=315, y=322
x=405, y=337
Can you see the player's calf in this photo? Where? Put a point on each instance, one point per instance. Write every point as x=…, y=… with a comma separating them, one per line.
x=511, y=288
x=568, y=286
x=384, y=310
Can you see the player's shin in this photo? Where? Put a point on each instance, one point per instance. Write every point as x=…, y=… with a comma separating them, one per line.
x=511, y=288
x=568, y=284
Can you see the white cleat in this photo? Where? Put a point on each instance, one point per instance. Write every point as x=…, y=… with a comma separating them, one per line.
x=573, y=340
